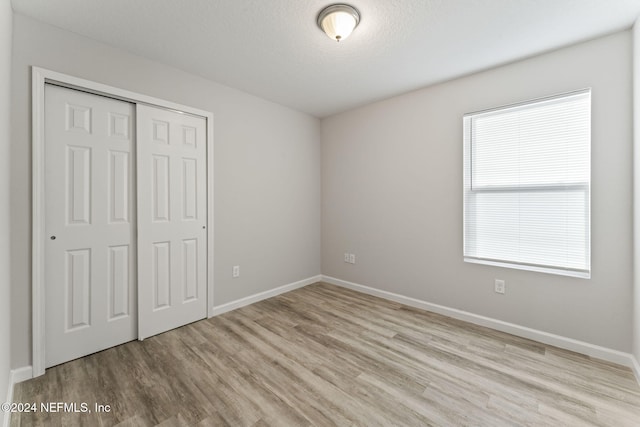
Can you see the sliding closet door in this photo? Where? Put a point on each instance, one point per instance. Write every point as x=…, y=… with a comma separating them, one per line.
x=172, y=219
x=90, y=217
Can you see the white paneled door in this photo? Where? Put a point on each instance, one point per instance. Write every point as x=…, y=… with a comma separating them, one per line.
x=125, y=222
x=172, y=219
x=90, y=253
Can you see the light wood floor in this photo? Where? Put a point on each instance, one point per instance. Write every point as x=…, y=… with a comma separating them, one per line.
x=323, y=355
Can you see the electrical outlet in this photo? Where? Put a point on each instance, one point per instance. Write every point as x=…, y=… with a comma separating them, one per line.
x=352, y=258
x=499, y=286
x=346, y=257
x=236, y=271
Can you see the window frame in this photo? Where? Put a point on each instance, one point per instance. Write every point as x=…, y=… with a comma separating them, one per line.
x=471, y=190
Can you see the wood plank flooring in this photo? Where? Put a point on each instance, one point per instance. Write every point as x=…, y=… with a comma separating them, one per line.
x=325, y=356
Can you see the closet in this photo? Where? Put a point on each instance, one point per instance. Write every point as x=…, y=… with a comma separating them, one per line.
x=125, y=221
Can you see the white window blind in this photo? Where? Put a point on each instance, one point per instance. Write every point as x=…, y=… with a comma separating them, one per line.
x=527, y=185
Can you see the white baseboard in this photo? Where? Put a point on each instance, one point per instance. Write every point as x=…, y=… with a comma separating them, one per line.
x=15, y=376
x=582, y=347
x=264, y=295
x=21, y=374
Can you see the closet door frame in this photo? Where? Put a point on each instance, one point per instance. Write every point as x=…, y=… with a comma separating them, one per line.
x=40, y=77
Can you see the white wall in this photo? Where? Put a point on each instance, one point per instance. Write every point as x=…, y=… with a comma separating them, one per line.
x=636, y=193
x=392, y=194
x=5, y=137
x=267, y=168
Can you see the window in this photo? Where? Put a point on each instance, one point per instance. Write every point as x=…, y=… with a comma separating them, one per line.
x=527, y=185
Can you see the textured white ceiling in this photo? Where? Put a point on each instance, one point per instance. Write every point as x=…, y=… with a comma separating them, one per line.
x=273, y=48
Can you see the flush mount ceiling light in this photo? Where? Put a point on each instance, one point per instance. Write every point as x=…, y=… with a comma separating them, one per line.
x=338, y=20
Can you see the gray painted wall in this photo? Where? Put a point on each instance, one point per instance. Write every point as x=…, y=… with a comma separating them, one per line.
x=267, y=168
x=5, y=136
x=392, y=195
